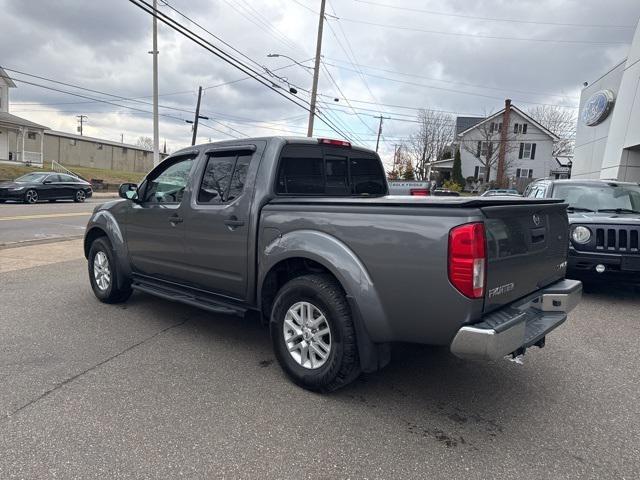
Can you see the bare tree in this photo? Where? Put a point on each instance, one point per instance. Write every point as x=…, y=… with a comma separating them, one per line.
x=561, y=121
x=485, y=146
x=435, y=134
x=145, y=142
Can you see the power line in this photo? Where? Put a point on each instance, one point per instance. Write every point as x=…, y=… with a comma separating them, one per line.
x=494, y=19
x=452, y=82
x=480, y=35
x=226, y=57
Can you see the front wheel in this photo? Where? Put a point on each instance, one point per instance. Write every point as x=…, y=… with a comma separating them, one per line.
x=31, y=196
x=103, y=273
x=313, y=334
x=80, y=196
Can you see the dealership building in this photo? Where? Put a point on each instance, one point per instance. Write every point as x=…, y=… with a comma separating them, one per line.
x=608, y=133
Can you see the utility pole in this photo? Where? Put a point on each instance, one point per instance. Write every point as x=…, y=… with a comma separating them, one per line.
x=316, y=71
x=379, y=130
x=195, y=121
x=194, y=128
x=81, y=119
x=154, y=52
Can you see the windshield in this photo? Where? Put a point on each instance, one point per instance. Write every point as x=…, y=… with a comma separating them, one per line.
x=605, y=197
x=31, y=177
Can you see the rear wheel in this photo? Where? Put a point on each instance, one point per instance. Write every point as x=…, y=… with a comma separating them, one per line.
x=103, y=273
x=79, y=196
x=313, y=334
x=31, y=196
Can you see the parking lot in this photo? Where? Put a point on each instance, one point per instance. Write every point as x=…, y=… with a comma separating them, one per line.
x=155, y=389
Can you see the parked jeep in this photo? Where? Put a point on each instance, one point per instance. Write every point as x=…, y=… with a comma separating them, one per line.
x=303, y=232
x=604, y=218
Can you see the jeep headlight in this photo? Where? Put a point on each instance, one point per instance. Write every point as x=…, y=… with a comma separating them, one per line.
x=581, y=234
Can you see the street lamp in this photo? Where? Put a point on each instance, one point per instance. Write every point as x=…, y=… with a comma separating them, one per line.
x=276, y=55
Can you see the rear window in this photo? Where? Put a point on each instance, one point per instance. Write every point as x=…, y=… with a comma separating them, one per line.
x=329, y=171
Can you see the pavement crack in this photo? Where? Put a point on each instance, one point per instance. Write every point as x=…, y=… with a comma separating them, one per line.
x=59, y=385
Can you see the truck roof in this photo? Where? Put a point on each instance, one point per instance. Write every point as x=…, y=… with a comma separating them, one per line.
x=270, y=139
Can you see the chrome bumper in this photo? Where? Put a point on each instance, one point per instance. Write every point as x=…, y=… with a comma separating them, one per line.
x=518, y=325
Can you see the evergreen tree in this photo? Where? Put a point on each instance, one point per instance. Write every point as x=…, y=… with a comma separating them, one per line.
x=456, y=175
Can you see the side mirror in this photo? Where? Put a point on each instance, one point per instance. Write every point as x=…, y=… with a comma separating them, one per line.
x=128, y=191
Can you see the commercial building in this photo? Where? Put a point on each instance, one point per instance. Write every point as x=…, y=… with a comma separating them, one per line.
x=608, y=133
x=28, y=143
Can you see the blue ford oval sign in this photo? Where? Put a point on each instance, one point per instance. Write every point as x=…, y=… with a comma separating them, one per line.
x=597, y=107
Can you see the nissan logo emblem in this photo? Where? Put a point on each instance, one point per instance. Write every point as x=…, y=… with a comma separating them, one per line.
x=536, y=219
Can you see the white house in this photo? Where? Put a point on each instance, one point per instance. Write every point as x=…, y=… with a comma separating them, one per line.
x=20, y=140
x=525, y=146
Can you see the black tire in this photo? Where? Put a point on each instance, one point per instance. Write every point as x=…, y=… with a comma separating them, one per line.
x=113, y=293
x=342, y=365
x=79, y=196
x=30, y=196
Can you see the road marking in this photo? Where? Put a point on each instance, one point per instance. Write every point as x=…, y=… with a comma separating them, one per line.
x=45, y=215
x=19, y=258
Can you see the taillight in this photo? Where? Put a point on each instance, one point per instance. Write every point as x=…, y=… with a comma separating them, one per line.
x=419, y=192
x=337, y=143
x=467, y=259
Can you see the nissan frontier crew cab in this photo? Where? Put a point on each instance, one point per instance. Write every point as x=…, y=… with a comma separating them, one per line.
x=303, y=232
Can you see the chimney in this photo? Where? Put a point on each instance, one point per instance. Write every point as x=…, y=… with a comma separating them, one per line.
x=501, y=176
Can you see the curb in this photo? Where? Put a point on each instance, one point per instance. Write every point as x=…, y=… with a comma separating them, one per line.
x=39, y=241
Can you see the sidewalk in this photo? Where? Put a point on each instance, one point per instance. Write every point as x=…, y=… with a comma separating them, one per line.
x=105, y=195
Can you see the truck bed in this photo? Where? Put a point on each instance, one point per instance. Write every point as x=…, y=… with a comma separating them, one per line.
x=415, y=201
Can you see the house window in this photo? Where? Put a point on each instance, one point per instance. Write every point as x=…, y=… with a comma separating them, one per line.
x=484, y=149
x=72, y=142
x=524, y=173
x=495, y=127
x=479, y=173
x=520, y=128
x=527, y=150
x=99, y=145
x=31, y=135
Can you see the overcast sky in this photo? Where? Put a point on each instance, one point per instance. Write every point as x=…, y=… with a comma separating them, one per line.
x=448, y=55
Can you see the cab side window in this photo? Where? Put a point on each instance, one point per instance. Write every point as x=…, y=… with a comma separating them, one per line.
x=224, y=177
x=167, y=185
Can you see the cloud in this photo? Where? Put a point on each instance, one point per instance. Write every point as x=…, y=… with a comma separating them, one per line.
x=104, y=45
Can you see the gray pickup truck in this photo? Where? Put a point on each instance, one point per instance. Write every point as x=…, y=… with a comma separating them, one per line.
x=302, y=232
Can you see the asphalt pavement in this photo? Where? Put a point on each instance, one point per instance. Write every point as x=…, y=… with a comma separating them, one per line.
x=153, y=389
x=21, y=223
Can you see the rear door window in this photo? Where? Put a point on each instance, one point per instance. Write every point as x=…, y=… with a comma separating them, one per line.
x=224, y=176
x=330, y=171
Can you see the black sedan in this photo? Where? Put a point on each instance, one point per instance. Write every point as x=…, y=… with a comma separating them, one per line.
x=51, y=186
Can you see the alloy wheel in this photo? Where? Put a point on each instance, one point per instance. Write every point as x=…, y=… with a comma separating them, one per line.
x=31, y=196
x=80, y=195
x=101, y=270
x=307, y=335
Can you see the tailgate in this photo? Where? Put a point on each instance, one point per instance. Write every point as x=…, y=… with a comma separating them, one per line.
x=527, y=246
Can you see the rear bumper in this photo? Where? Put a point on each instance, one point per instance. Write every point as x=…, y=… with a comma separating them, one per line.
x=520, y=325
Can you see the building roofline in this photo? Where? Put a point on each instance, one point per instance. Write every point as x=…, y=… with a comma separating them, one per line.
x=7, y=78
x=520, y=112
x=74, y=136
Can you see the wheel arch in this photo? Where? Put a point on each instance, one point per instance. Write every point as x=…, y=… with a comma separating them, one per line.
x=301, y=252
x=104, y=224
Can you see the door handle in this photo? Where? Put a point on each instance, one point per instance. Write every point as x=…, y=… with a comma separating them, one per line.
x=233, y=222
x=174, y=220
